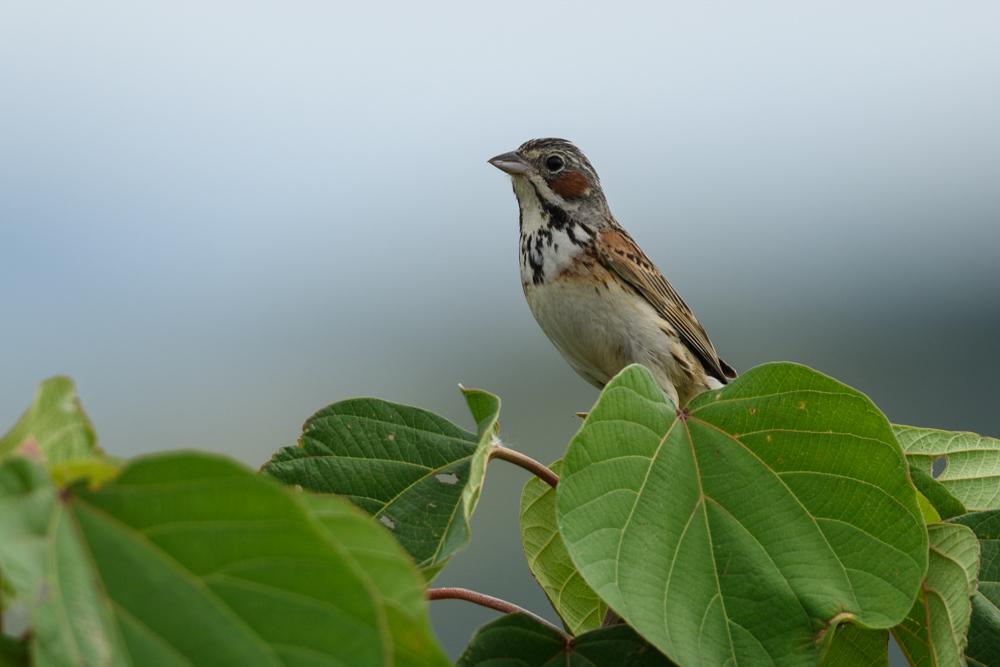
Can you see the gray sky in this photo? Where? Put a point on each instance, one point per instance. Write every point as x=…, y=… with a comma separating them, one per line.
x=219, y=217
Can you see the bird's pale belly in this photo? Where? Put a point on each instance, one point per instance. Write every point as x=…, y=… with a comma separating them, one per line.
x=600, y=327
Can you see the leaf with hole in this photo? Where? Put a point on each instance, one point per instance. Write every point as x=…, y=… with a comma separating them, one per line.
x=576, y=603
x=933, y=632
x=972, y=469
x=416, y=472
x=746, y=526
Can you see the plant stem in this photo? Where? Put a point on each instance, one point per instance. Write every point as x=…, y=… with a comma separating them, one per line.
x=483, y=600
x=526, y=462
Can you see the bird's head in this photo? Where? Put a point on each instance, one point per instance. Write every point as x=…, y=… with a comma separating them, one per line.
x=555, y=173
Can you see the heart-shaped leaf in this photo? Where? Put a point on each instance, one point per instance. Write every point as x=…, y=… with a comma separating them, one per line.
x=972, y=471
x=983, y=649
x=933, y=632
x=192, y=559
x=576, y=603
x=416, y=472
x=746, y=526
x=519, y=640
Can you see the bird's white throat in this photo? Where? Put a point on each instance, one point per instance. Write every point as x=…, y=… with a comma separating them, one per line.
x=549, y=242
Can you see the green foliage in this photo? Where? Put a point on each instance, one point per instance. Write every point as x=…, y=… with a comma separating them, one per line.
x=576, y=603
x=761, y=516
x=933, y=632
x=418, y=473
x=518, y=640
x=780, y=520
x=972, y=464
x=13, y=652
x=984, y=627
x=854, y=646
x=55, y=423
x=190, y=558
x=45, y=563
x=935, y=494
x=56, y=431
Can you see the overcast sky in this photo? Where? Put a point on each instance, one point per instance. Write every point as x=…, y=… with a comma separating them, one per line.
x=219, y=217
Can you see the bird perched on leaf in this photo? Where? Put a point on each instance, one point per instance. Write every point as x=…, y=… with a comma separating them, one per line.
x=596, y=295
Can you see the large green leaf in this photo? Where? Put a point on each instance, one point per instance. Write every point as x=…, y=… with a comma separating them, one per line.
x=56, y=431
x=549, y=561
x=418, y=473
x=972, y=470
x=933, y=632
x=854, y=646
x=983, y=649
x=393, y=573
x=519, y=640
x=192, y=559
x=746, y=526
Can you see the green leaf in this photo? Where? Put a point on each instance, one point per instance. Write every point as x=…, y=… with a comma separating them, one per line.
x=972, y=472
x=983, y=648
x=391, y=571
x=416, y=472
x=745, y=527
x=55, y=423
x=42, y=558
x=549, y=561
x=933, y=632
x=927, y=509
x=945, y=504
x=520, y=640
x=854, y=646
x=13, y=652
x=193, y=559
x=57, y=432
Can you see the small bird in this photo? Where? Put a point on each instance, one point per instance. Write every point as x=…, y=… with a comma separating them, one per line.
x=593, y=291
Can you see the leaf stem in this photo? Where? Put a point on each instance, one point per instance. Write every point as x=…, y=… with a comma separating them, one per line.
x=526, y=462
x=484, y=600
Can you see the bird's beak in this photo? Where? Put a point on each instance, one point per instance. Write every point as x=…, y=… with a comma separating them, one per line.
x=513, y=164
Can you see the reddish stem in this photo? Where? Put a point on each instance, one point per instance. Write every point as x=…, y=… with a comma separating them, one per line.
x=483, y=600
x=526, y=462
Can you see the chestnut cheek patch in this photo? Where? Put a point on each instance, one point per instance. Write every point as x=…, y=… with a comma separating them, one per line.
x=571, y=186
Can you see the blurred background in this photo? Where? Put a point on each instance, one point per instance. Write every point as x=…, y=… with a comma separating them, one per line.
x=220, y=217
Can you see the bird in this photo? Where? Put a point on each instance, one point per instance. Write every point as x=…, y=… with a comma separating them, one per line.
x=594, y=292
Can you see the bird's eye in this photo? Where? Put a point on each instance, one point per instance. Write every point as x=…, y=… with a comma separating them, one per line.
x=554, y=163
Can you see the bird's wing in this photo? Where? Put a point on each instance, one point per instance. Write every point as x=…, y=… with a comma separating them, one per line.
x=620, y=254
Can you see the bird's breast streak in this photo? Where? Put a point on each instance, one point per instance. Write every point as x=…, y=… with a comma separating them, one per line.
x=547, y=252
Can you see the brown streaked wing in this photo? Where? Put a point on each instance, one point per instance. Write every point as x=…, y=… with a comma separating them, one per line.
x=620, y=253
